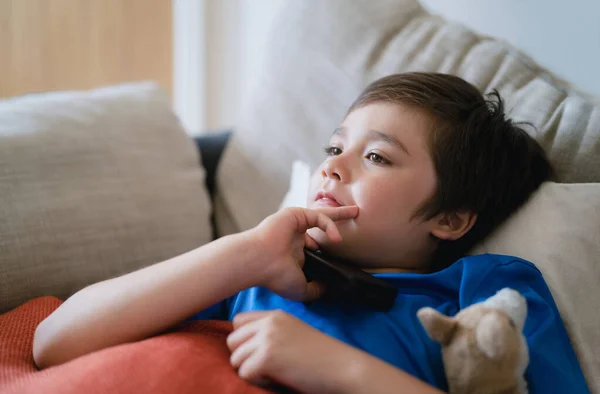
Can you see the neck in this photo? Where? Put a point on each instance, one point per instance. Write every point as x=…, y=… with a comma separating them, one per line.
x=408, y=268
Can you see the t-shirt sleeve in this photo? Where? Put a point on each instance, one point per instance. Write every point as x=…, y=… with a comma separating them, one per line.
x=553, y=365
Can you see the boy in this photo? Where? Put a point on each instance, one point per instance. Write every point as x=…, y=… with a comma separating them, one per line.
x=421, y=168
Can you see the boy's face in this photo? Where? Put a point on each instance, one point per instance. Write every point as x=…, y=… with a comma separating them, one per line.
x=379, y=160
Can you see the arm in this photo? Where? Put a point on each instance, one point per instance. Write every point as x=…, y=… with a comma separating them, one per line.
x=277, y=346
x=376, y=376
x=150, y=300
x=373, y=375
x=144, y=302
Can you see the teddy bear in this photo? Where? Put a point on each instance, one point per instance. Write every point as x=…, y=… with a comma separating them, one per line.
x=484, y=350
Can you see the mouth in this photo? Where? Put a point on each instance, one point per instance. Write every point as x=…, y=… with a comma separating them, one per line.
x=328, y=199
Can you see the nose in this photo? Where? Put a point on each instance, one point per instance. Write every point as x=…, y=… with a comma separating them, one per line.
x=336, y=169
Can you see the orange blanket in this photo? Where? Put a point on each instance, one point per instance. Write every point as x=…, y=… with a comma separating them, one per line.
x=190, y=359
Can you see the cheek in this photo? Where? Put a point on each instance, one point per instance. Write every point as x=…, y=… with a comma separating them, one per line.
x=381, y=202
x=393, y=200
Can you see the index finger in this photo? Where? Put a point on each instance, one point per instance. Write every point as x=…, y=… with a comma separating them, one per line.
x=309, y=218
x=339, y=213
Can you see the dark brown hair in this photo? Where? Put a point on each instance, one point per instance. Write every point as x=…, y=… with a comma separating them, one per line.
x=485, y=163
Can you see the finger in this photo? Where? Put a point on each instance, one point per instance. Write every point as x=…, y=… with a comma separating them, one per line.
x=314, y=291
x=240, y=335
x=242, y=353
x=310, y=243
x=246, y=317
x=250, y=369
x=330, y=228
x=307, y=218
x=339, y=213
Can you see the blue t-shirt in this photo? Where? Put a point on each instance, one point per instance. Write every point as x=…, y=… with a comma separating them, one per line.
x=397, y=336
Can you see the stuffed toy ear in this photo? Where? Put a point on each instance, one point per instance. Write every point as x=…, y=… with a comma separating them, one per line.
x=439, y=327
x=491, y=336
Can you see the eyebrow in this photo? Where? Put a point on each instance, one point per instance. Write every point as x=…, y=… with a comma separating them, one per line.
x=377, y=136
x=339, y=131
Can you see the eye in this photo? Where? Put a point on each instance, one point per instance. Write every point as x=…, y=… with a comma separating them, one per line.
x=375, y=158
x=333, y=151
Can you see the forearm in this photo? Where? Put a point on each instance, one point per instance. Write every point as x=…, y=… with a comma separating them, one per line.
x=363, y=373
x=145, y=302
x=343, y=369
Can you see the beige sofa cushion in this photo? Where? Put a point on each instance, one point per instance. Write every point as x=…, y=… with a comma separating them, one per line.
x=322, y=55
x=93, y=184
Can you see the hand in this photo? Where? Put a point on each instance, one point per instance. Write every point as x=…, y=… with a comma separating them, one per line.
x=283, y=237
x=275, y=346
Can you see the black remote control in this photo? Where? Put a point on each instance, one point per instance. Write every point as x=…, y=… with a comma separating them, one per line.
x=347, y=284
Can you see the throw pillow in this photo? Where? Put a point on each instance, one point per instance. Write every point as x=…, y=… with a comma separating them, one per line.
x=94, y=184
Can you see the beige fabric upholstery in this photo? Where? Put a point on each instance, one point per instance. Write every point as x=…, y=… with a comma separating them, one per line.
x=322, y=55
x=225, y=224
x=93, y=185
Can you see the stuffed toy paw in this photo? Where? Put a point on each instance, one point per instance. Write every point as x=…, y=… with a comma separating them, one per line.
x=483, y=347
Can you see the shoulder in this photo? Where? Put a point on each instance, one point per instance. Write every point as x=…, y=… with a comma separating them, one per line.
x=553, y=367
x=492, y=273
x=485, y=265
x=488, y=262
x=483, y=275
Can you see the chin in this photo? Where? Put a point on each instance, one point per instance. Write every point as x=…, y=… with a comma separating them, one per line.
x=324, y=243
x=345, y=250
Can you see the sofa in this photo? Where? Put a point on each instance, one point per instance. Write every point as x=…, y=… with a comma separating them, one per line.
x=95, y=184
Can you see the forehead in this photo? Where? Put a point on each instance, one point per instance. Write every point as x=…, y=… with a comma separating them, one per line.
x=392, y=118
x=411, y=125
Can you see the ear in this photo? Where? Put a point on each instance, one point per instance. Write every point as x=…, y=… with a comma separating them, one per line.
x=440, y=328
x=491, y=336
x=451, y=226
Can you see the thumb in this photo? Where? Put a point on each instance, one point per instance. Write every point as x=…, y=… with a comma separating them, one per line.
x=314, y=291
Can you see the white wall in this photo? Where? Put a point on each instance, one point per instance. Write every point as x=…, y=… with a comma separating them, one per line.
x=563, y=36
x=189, y=63
x=236, y=31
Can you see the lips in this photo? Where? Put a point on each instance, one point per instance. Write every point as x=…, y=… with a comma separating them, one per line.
x=328, y=199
